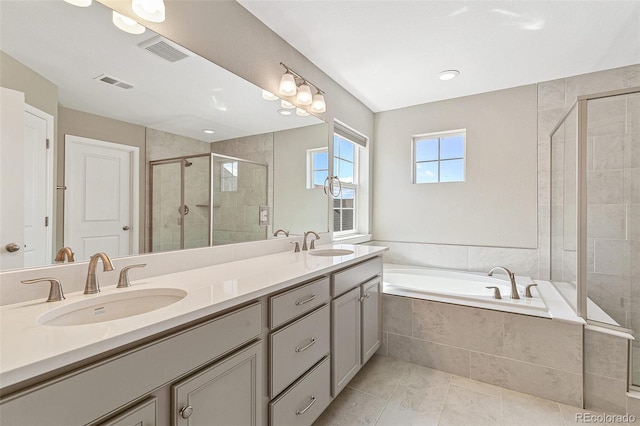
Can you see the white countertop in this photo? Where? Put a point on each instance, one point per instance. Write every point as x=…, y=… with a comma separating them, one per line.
x=29, y=349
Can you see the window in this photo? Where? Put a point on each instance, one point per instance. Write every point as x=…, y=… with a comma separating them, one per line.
x=345, y=168
x=229, y=177
x=439, y=157
x=318, y=167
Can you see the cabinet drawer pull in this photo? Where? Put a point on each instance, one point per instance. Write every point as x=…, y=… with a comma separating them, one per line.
x=313, y=401
x=307, y=300
x=304, y=348
x=186, y=412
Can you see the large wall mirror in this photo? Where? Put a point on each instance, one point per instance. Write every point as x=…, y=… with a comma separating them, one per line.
x=150, y=147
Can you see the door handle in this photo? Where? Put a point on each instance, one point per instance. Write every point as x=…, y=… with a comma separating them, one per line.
x=12, y=247
x=125, y=228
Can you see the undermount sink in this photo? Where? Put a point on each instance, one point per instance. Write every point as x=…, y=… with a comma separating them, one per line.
x=112, y=306
x=330, y=252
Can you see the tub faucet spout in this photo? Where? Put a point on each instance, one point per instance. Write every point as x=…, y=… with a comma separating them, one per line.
x=512, y=278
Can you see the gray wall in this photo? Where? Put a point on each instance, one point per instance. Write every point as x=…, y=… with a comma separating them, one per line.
x=296, y=208
x=78, y=123
x=495, y=206
x=39, y=92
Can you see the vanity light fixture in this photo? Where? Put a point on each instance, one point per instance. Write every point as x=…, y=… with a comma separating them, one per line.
x=80, y=3
x=448, y=75
x=149, y=10
x=285, y=112
x=301, y=113
x=127, y=24
x=286, y=105
x=268, y=96
x=293, y=83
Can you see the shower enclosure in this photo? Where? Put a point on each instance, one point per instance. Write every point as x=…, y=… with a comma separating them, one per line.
x=595, y=212
x=204, y=200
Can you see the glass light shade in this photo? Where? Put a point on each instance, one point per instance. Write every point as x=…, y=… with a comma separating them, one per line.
x=149, y=10
x=266, y=95
x=287, y=85
x=301, y=113
x=287, y=105
x=81, y=3
x=304, y=96
x=318, y=104
x=127, y=24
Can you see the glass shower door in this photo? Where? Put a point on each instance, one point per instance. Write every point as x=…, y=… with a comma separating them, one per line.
x=166, y=195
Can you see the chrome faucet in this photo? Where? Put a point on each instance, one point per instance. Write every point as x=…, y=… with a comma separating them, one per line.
x=93, y=286
x=64, y=252
x=304, y=240
x=512, y=278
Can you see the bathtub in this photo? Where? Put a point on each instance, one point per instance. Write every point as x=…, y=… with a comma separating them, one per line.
x=463, y=288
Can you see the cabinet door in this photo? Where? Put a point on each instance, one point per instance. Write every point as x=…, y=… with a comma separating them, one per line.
x=228, y=393
x=345, y=327
x=371, y=330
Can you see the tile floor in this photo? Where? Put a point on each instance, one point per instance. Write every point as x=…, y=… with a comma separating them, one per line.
x=391, y=392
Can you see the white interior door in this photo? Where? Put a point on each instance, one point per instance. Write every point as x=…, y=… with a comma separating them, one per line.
x=38, y=189
x=11, y=179
x=101, y=200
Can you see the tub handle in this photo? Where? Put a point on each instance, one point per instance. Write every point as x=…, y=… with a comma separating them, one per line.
x=496, y=292
x=527, y=290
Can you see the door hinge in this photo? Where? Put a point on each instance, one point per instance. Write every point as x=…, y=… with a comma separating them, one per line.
x=46, y=221
x=48, y=143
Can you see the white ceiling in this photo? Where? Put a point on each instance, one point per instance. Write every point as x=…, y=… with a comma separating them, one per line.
x=389, y=53
x=70, y=46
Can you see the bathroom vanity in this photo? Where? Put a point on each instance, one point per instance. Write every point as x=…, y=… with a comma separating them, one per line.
x=269, y=340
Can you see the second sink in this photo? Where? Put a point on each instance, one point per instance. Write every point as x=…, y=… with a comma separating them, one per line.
x=112, y=306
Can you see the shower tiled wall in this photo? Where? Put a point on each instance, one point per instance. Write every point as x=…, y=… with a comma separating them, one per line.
x=554, y=100
x=231, y=226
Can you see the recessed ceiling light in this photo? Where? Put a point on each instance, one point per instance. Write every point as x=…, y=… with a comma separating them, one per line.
x=285, y=111
x=208, y=131
x=448, y=74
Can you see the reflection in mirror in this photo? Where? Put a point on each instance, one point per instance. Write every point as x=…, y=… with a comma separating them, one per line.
x=110, y=102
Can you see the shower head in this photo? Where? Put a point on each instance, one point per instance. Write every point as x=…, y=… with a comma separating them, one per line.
x=187, y=163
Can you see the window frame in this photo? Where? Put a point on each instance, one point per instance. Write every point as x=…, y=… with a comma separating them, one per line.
x=352, y=186
x=311, y=166
x=438, y=135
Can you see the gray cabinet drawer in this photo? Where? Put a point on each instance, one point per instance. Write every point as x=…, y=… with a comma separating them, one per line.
x=349, y=278
x=306, y=400
x=297, y=347
x=293, y=303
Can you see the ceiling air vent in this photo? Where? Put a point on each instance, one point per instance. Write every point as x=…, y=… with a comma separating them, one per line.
x=113, y=81
x=164, y=48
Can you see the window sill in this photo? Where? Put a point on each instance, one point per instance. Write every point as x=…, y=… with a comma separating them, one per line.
x=352, y=239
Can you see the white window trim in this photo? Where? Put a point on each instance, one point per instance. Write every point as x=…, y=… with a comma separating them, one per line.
x=354, y=186
x=438, y=135
x=310, y=165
